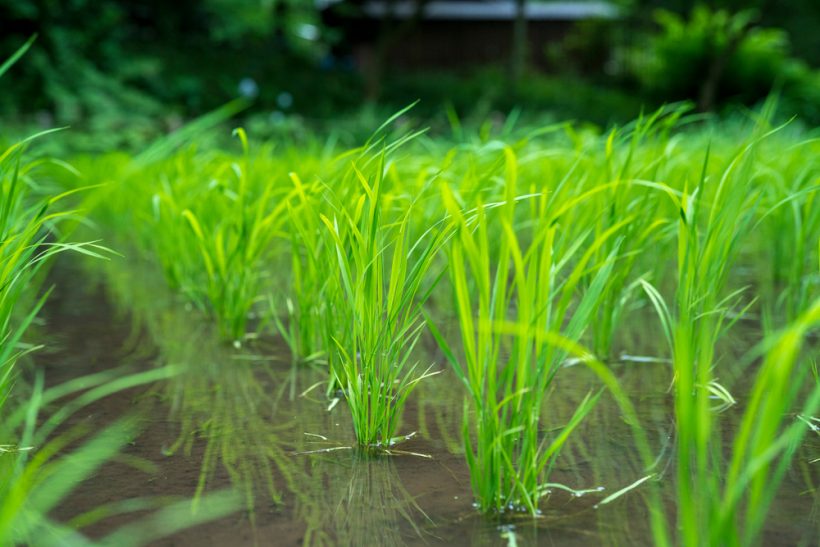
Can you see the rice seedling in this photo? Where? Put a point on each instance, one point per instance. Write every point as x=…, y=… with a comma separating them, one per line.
x=627, y=196
x=380, y=271
x=704, y=260
x=309, y=317
x=232, y=229
x=506, y=302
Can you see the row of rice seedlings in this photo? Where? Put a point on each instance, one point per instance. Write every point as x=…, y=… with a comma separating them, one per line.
x=506, y=301
x=209, y=219
x=21, y=231
x=707, y=311
x=713, y=219
x=351, y=300
x=35, y=474
x=227, y=403
x=704, y=261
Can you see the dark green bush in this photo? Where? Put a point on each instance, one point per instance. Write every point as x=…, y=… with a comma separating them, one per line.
x=716, y=57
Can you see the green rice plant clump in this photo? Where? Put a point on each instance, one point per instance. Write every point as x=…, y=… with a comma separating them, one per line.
x=508, y=302
x=715, y=220
x=380, y=271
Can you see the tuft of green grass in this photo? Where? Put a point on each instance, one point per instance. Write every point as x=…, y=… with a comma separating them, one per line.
x=232, y=230
x=380, y=270
x=508, y=297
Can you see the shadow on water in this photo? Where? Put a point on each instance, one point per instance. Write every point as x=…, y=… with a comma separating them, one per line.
x=247, y=418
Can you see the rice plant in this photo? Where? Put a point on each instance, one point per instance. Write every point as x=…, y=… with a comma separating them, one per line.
x=233, y=240
x=507, y=302
x=633, y=157
x=704, y=260
x=380, y=270
x=307, y=328
x=714, y=218
x=27, y=243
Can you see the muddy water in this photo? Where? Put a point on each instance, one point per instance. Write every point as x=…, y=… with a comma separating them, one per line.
x=242, y=419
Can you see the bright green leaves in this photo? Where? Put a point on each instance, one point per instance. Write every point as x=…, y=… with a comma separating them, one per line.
x=379, y=275
x=27, y=222
x=216, y=244
x=514, y=278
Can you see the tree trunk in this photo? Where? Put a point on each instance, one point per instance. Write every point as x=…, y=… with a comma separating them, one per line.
x=709, y=89
x=518, y=62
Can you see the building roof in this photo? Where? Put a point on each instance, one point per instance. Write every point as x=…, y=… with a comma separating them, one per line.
x=486, y=10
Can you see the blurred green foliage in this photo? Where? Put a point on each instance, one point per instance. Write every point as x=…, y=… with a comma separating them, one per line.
x=122, y=73
x=719, y=55
x=798, y=18
x=719, y=48
x=127, y=70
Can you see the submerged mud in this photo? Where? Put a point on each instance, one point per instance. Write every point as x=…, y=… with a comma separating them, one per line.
x=251, y=420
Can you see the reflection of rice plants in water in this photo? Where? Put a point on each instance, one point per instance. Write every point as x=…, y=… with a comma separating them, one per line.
x=226, y=404
x=355, y=499
x=225, y=401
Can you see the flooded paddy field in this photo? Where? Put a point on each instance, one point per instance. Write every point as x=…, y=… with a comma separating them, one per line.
x=539, y=336
x=268, y=432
